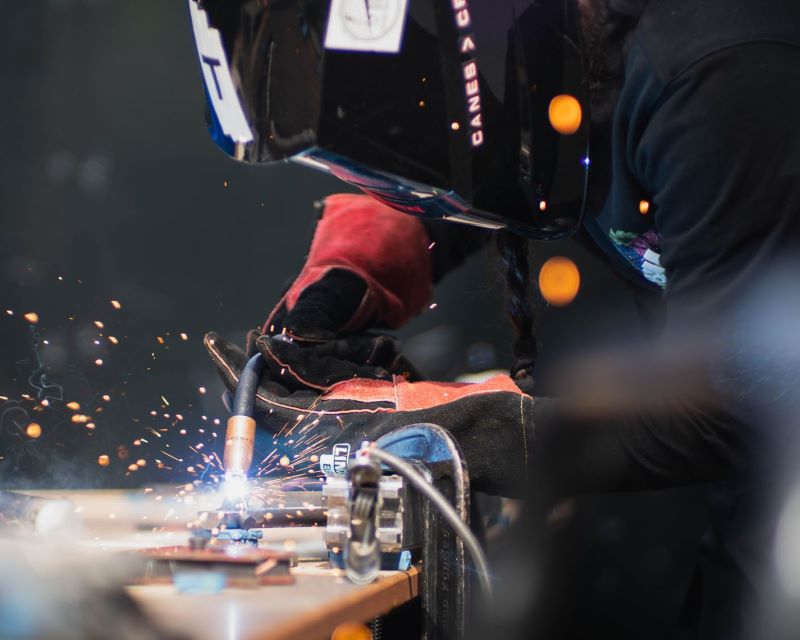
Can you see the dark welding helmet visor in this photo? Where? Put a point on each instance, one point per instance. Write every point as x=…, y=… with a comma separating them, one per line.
x=471, y=110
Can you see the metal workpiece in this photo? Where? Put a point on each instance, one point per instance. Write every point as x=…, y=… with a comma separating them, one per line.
x=337, y=497
x=240, y=440
x=394, y=531
x=362, y=552
x=266, y=506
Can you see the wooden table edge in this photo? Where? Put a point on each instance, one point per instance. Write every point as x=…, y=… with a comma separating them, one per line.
x=374, y=600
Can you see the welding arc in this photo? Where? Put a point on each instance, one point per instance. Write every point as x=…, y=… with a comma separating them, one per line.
x=419, y=482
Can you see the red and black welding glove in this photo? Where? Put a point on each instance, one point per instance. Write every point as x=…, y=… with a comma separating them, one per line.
x=368, y=265
x=492, y=421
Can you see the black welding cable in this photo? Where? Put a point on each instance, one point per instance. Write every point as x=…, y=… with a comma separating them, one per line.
x=420, y=483
x=245, y=398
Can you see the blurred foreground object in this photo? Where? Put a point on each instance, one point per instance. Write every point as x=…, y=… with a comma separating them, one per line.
x=47, y=592
x=22, y=515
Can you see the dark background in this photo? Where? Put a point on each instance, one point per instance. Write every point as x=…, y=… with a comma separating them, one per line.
x=111, y=189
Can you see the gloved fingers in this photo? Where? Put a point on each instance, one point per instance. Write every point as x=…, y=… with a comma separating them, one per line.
x=299, y=367
x=250, y=348
x=228, y=359
x=281, y=411
x=376, y=350
x=272, y=398
x=275, y=322
x=324, y=309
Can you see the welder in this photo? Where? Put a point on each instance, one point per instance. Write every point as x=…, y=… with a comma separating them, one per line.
x=480, y=112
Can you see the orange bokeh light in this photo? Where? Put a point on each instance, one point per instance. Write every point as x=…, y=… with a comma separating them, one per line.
x=559, y=281
x=565, y=114
x=351, y=631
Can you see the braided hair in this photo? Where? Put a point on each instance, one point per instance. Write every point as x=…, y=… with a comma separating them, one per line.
x=513, y=250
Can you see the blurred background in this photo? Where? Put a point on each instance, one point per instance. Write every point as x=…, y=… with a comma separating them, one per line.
x=126, y=236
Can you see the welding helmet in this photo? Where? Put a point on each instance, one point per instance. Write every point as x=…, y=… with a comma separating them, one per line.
x=470, y=110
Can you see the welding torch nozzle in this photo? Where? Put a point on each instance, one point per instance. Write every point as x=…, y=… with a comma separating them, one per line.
x=240, y=439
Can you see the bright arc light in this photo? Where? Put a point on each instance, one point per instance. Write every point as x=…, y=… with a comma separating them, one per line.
x=236, y=486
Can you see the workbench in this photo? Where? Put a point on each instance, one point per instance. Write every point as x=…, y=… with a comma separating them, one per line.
x=320, y=599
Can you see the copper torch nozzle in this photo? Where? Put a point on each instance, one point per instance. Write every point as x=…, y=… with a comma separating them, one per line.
x=240, y=439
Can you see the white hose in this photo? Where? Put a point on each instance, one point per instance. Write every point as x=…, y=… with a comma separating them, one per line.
x=421, y=484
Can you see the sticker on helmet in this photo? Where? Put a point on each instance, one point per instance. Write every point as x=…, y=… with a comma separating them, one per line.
x=366, y=25
x=217, y=77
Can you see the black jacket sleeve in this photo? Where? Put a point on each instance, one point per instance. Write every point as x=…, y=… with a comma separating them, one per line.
x=718, y=146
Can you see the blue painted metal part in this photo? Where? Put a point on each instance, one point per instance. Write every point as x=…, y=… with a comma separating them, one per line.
x=399, y=561
x=200, y=582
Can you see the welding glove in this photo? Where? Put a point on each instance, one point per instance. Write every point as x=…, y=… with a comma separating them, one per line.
x=492, y=421
x=368, y=265
x=319, y=365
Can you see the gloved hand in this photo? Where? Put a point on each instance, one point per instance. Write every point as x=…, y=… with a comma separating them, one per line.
x=302, y=393
x=368, y=265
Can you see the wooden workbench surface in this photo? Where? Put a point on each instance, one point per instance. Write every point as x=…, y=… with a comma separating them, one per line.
x=312, y=608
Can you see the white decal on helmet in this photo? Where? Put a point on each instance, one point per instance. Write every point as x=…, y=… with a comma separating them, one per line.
x=366, y=25
x=216, y=74
x=471, y=74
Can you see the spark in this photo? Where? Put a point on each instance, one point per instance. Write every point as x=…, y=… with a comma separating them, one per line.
x=433, y=306
x=113, y=340
x=73, y=406
x=184, y=337
x=31, y=317
x=33, y=430
x=99, y=362
x=431, y=245
x=116, y=304
x=160, y=340
x=99, y=324
x=103, y=460
x=202, y=391
x=166, y=402
x=106, y=397
x=169, y=455
x=153, y=431
x=9, y=312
